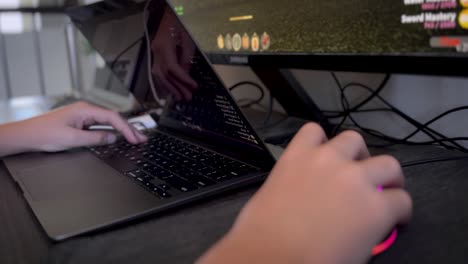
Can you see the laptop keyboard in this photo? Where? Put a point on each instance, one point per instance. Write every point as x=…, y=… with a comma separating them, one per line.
x=167, y=166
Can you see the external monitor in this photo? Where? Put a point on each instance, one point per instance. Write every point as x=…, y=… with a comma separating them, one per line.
x=398, y=36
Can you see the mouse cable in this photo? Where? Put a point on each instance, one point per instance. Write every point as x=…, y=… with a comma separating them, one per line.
x=432, y=160
x=160, y=101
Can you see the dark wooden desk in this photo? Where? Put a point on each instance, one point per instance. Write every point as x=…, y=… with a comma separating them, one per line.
x=437, y=233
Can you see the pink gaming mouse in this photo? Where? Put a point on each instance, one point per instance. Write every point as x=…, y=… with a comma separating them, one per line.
x=386, y=243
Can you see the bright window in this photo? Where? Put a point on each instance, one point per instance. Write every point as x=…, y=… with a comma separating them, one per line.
x=11, y=23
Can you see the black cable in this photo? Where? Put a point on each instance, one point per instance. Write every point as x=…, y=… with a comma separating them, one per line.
x=396, y=141
x=260, y=89
x=258, y=100
x=339, y=114
x=116, y=59
x=245, y=103
x=457, y=109
x=433, y=160
x=420, y=127
x=347, y=113
x=375, y=92
x=345, y=103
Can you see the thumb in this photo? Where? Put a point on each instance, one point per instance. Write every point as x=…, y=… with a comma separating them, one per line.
x=92, y=138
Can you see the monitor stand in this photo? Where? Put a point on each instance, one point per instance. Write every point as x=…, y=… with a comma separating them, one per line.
x=291, y=95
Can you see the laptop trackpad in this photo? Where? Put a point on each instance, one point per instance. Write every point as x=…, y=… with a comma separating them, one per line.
x=74, y=192
x=75, y=175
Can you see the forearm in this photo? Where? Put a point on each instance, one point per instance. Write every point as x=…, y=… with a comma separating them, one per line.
x=250, y=248
x=16, y=138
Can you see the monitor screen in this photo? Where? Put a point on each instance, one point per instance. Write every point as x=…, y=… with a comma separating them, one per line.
x=395, y=27
x=384, y=36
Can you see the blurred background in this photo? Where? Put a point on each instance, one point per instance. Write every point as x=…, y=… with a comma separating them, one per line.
x=43, y=59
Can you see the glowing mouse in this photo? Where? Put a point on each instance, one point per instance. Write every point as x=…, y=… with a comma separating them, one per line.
x=389, y=241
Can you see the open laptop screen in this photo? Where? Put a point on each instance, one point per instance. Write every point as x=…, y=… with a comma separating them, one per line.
x=110, y=36
x=198, y=102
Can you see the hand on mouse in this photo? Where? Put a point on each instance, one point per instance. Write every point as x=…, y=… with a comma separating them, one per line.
x=320, y=204
x=63, y=128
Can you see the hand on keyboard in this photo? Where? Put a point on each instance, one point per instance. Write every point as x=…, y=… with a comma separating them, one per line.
x=62, y=129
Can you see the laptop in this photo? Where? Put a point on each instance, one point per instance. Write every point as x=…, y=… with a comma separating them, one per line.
x=202, y=147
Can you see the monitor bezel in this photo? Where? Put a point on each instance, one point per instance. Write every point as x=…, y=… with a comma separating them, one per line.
x=418, y=64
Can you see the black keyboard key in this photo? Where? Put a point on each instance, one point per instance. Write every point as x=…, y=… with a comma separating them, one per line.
x=161, y=173
x=136, y=174
x=141, y=180
x=247, y=169
x=223, y=177
x=150, y=186
x=157, y=182
x=180, y=184
x=165, y=186
x=145, y=165
x=207, y=170
x=218, y=176
x=199, y=180
x=161, y=192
